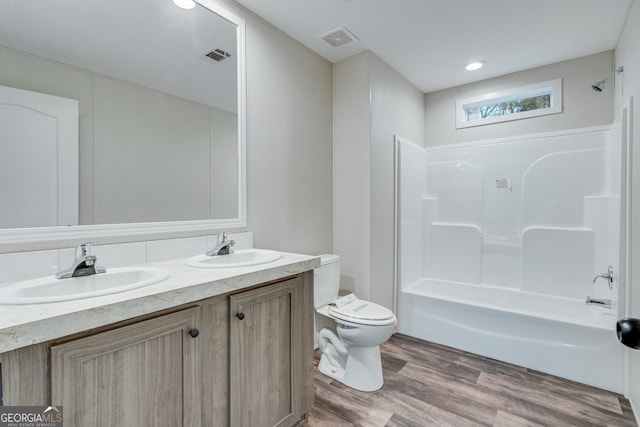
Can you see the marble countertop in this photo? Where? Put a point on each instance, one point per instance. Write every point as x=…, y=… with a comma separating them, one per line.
x=23, y=325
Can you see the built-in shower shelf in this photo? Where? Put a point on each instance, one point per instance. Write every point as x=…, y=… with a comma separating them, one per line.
x=456, y=224
x=552, y=228
x=502, y=241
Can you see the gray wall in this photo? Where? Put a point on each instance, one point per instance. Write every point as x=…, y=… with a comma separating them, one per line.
x=289, y=179
x=397, y=107
x=351, y=172
x=582, y=106
x=628, y=85
x=372, y=103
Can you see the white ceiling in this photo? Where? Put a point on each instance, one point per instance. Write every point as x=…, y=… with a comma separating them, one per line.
x=430, y=41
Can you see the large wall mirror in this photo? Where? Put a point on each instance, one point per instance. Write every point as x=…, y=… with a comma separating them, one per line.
x=161, y=115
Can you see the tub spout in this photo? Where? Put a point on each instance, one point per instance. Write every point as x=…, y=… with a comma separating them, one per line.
x=602, y=302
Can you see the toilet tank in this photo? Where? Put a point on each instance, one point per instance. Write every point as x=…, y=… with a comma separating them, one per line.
x=326, y=280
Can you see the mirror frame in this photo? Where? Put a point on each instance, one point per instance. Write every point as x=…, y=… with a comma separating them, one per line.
x=41, y=238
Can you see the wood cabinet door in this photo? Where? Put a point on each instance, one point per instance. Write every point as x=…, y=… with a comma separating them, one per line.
x=214, y=362
x=136, y=375
x=268, y=355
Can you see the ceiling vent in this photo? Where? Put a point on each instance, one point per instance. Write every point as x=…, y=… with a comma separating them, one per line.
x=339, y=37
x=218, y=55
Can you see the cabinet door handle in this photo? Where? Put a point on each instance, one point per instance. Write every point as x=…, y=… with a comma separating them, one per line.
x=240, y=315
x=194, y=332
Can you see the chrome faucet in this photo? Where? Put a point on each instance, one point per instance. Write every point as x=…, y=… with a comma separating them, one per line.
x=608, y=275
x=84, y=264
x=606, y=303
x=224, y=245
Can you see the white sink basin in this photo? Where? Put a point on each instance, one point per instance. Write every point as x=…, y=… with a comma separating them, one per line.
x=51, y=289
x=240, y=258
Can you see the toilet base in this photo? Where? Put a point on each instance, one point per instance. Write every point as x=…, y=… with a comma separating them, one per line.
x=363, y=370
x=335, y=372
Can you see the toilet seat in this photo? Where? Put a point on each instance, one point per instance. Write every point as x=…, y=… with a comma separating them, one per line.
x=364, y=313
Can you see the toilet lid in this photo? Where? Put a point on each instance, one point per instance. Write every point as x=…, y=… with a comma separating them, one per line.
x=364, y=312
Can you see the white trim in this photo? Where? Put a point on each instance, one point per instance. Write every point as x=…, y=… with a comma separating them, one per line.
x=626, y=117
x=397, y=139
x=49, y=234
x=26, y=239
x=538, y=135
x=552, y=86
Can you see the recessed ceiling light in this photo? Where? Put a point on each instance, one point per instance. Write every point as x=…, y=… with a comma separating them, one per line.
x=475, y=66
x=185, y=4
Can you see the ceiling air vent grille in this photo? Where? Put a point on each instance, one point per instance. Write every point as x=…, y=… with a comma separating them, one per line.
x=339, y=37
x=218, y=55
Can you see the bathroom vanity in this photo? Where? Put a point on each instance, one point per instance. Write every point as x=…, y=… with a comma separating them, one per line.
x=204, y=348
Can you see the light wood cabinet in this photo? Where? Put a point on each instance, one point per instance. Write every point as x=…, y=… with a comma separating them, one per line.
x=197, y=365
x=213, y=378
x=137, y=375
x=268, y=355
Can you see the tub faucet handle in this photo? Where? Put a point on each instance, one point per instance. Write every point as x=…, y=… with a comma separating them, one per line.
x=608, y=275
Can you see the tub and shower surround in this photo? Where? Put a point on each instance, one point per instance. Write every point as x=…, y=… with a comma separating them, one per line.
x=499, y=243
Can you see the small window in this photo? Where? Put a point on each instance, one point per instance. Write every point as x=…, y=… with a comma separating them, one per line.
x=513, y=104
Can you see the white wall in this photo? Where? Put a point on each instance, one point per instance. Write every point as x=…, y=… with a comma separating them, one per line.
x=372, y=103
x=289, y=175
x=582, y=106
x=628, y=85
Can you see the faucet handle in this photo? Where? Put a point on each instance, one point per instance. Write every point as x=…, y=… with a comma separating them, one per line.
x=222, y=237
x=83, y=250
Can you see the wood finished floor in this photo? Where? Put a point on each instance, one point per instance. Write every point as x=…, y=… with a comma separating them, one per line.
x=431, y=385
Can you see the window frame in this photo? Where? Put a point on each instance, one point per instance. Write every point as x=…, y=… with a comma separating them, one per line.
x=551, y=87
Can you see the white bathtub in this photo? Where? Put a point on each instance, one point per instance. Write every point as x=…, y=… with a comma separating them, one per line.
x=559, y=336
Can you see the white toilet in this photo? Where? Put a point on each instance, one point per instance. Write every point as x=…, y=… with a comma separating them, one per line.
x=353, y=355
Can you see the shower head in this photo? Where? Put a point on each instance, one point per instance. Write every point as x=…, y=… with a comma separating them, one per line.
x=598, y=86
